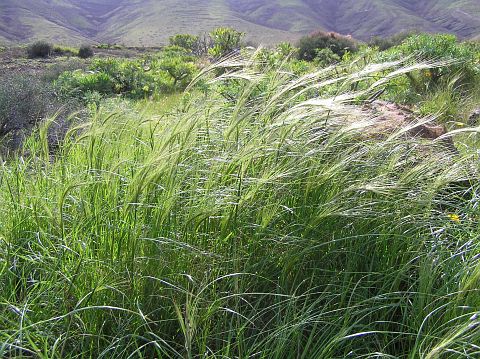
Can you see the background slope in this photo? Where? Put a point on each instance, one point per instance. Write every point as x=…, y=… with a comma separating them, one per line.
x=151, y=22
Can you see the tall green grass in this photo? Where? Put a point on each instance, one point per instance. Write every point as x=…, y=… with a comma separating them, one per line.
x=268, y=225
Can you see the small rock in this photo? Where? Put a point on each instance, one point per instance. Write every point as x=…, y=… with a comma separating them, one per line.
x=474, y=117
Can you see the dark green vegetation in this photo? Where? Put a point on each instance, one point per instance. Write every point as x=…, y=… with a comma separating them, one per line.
x=311, y=45
x=39, y=49
x=267, y=211
x=150, y=23
x=85, y=51
x=44, y=49
x=169, y=71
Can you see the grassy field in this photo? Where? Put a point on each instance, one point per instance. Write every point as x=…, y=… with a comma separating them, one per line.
x=271, y=223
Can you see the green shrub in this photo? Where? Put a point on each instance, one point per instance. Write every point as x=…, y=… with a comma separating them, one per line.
x=218, y=43
x=180, y=70
x=225, y=40
x=426, y=47
x=128, y=76
x=85, y=51
x=39, y=49
x=78, y=83
x=300, y=67
x=92, y=99
x=172, y=70
x=286, y=49
x=185, y=41
x=460, y=71
x=282, y=56
x=268, y=59
x=338, y=44
x=326, y=57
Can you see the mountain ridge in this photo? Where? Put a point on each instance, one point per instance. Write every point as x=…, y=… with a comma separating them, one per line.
x=151, y=22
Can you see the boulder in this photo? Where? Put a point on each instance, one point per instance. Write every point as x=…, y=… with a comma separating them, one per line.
x=390, y=117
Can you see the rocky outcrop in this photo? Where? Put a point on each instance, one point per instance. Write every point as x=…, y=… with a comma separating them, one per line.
x=390, y=117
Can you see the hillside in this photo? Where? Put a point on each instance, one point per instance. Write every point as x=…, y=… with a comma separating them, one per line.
x=150, y=22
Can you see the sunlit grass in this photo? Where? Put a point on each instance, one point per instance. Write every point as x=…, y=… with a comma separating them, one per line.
x=266, y=226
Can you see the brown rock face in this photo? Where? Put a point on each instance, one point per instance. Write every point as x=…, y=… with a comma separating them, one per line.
x=390, y=117
x=427, y=131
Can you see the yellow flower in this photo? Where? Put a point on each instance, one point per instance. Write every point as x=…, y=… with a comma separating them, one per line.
x=146, y=88
x=454, y=217
x=428, y=73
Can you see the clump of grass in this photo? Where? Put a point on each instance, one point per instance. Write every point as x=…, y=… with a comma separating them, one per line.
x=60, y=50
x=109, y=46
x=265, y=224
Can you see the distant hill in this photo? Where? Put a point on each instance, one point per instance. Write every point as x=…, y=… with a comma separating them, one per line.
x=151, y=22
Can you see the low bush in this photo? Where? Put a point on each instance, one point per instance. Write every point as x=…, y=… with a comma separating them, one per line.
x=219, y=42
x=39, y=49
x=338, y=44
x=286, y=49
x=133, y=78
x=24, y=101
x=178, y=64
x=171, y=70
x=185, y=41
x=225, y=40
x=460, y=69
x=283, y=56
x=461, y=58
x=326, y=57
x=77, y=83
x=85, y=52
